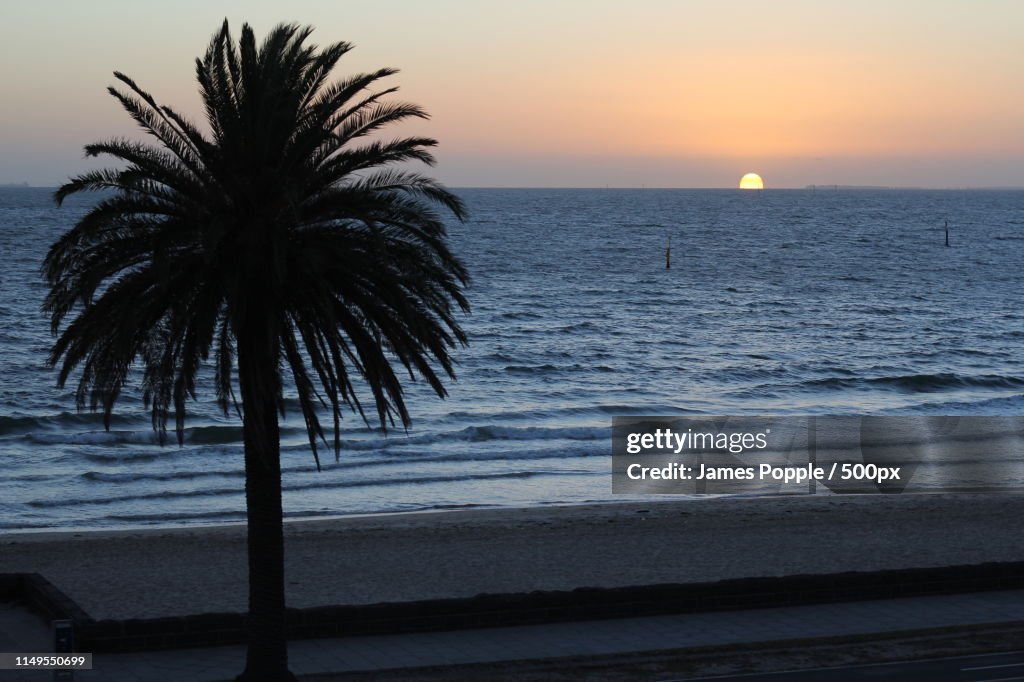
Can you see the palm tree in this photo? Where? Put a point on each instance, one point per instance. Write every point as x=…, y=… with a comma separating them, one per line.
x=282, y=240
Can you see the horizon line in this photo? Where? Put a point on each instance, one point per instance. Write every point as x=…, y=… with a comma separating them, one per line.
x=804, y=188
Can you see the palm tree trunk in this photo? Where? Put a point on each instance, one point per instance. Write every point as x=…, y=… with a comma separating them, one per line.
x=267, y=655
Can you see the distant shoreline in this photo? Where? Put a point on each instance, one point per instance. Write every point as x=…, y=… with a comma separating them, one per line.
x=885, y=188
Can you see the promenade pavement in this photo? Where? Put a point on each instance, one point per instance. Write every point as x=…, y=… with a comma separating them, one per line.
x=585, y=638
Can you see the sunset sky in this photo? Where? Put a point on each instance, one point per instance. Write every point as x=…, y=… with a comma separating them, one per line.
x=559, y=93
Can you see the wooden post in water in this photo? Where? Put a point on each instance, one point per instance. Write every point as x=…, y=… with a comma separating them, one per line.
x=947, y=233
x=668, y=254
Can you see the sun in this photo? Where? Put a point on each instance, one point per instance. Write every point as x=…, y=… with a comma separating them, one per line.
x=751, y=181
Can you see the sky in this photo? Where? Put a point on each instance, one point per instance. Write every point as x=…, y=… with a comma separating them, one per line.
x=589, y=93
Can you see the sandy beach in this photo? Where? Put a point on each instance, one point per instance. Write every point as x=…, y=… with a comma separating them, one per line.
x=407, y=557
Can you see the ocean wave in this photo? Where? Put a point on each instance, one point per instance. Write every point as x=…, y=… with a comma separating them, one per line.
x=135, y=477
x=329, y=464
x=1004, y=405
x=479, y=434
x=744, y=373
x=405, y=445
x=213, y=435
x=920, y=383
x=17, y=478
x=177, y=517
x=387, y=481
x=10, y=425
x=548, y=368
x=228, y=515
x=145, y=435
x=15, y=424
x=576, y=327
x=376, y=442
x=26, y=525
x=342, y=464
x=555, y=412
x=86, y=428
x=519, y=315
x=129, y=457
x=141, y=437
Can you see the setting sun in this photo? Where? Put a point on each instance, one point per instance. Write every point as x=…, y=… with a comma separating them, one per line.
x=751, y=181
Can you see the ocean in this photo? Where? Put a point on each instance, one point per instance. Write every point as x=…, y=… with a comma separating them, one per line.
x=781, y=302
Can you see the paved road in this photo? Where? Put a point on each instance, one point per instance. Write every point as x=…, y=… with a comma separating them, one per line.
x=983, y=668
x=585, y=638
x=360, y=655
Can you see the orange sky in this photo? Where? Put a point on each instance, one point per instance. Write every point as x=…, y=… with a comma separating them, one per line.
x=662, y=93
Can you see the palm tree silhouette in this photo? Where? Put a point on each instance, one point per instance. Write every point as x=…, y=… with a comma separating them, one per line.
x=281, y=241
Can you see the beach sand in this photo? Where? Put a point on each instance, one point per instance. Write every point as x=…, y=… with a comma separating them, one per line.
x=408, y=557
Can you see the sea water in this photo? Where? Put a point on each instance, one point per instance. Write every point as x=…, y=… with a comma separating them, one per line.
x=781, y=302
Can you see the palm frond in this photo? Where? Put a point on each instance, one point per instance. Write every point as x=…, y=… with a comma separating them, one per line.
x=277, y=240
